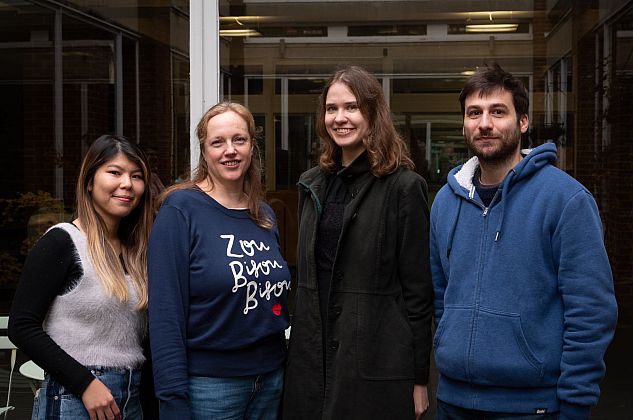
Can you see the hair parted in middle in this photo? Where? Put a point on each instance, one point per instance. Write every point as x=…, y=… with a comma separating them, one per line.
x=386, y=151
x=133, y=231
x=252, y=181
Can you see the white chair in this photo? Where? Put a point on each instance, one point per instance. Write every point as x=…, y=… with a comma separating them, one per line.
x=6, y=344
x=34, y=373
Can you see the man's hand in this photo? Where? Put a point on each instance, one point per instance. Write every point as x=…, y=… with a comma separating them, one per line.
x=99, y=402
x=420, y=400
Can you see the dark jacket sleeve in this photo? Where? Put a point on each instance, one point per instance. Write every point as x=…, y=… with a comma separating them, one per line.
x=50, y=268
x=414, y=271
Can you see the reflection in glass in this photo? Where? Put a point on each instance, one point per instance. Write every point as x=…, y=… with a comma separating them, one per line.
x=68, y=76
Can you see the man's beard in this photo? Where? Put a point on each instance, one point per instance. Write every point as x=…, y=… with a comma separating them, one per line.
x=507, y=146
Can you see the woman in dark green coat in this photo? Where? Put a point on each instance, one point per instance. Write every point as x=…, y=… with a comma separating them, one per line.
x=361, y=328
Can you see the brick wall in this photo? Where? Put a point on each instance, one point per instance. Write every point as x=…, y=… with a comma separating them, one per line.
x=618, y=192
x=604, y=163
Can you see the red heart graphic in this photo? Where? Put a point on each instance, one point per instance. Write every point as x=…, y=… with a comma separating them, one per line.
x=277, y=309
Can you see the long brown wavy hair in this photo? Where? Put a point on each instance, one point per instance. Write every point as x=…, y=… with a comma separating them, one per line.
x=252, y=181
x=386, y=150
x=133, y=229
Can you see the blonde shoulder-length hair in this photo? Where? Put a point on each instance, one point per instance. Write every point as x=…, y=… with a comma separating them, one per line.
x=386, y=150
x=252, y=188
x=133, y=232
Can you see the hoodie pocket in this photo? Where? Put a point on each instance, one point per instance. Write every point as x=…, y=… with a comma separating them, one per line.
x=487, y=349
x=501, y=353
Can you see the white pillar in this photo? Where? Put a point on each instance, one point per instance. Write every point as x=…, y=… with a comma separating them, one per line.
x=204, y=62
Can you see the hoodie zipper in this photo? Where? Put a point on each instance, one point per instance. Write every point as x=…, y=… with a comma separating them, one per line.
x=471, y=198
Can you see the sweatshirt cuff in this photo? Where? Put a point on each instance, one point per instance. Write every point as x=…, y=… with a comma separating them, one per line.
x=174, y=409
x=573, y=411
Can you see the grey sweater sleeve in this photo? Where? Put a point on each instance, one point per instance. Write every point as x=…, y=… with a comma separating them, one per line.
x=51, y=269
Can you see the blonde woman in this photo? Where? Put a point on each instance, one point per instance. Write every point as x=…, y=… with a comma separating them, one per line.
x=218, y=283
x=85, y=324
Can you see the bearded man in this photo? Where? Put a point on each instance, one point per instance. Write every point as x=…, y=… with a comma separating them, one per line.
x=524, y=300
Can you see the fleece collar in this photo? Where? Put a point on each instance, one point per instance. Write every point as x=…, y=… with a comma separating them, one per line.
x=460, y=180
x=461, y=177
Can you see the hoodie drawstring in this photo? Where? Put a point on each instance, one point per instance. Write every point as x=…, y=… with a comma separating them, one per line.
x=502, y=203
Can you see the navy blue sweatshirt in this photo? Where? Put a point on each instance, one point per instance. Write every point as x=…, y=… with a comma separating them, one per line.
x=218, y=296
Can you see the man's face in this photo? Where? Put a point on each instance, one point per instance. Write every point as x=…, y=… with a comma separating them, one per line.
x=491, y=127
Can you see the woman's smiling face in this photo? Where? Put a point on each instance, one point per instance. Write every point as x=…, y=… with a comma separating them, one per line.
x=228, y=148
x=344, y=121
x=117, y=188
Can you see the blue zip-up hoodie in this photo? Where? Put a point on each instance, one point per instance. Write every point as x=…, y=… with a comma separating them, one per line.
x=524, y=299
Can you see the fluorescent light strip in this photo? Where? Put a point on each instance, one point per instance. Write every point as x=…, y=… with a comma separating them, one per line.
x=239, y=32
x=493, y=27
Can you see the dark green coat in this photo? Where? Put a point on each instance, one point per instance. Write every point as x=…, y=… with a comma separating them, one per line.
x=378, y=336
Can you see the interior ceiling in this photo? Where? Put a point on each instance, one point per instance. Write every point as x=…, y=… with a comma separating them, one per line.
x=385, y=11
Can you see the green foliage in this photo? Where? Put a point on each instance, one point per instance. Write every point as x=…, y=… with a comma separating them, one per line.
x=17, y=211
x=10, y=268
x=22, y=221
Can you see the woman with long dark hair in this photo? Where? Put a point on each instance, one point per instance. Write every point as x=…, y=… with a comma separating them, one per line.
x=85, y=324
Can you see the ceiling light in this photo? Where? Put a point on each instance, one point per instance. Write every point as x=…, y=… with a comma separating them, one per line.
x=239, y=32
x=493, y=27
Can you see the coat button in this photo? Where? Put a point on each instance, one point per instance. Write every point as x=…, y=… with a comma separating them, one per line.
x=334, y=344
x=354, y=215
x=339, y=274
x=337, y=311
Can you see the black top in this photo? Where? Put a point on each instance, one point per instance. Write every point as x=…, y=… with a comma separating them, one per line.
x=485, y=192
x=51, y=269
x=337, y=196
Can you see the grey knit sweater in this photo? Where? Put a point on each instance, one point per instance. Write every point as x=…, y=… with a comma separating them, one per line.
x=92, y=327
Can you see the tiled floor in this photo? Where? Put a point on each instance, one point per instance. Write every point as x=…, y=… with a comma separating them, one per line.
x=616, y=402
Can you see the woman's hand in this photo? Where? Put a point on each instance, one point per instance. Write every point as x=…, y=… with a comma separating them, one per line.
x=99, y=402
x=420, y=400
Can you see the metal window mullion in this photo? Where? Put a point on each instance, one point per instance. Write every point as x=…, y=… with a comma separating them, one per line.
x=284, y=113
x=428, y=143
x=59, y=106
x=607, y=58
x=118, y=83
x=137, y=109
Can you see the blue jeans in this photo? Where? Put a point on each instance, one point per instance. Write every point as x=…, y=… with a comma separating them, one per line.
x=53, y=401
x=447, y=411
x=246, y=397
